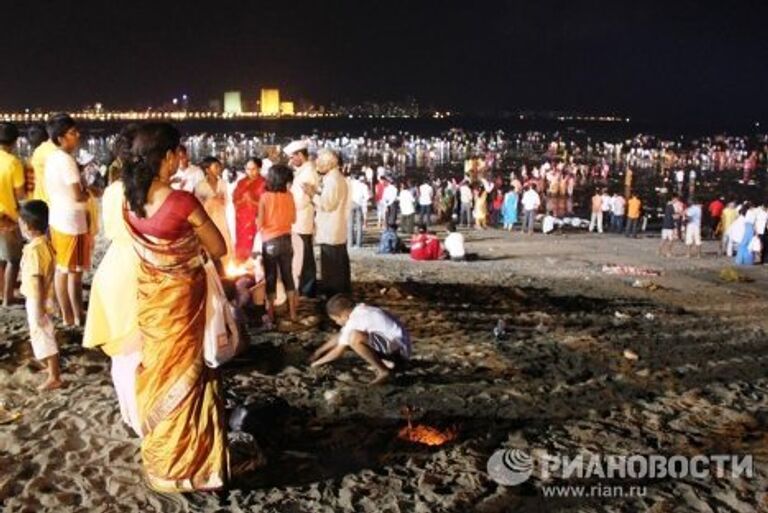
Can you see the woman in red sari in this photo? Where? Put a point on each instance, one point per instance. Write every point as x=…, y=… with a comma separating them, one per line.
x=178, y=398
x=246, y=199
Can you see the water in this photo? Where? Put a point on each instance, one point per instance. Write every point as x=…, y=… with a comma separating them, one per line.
x=599, y=153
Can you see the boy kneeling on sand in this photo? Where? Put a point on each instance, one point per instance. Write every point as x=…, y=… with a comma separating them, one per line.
x=374, y=334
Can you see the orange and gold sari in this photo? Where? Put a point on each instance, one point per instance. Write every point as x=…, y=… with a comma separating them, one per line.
x=179, y=398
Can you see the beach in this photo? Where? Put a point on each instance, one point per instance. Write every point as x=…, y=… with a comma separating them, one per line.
x=658, y=356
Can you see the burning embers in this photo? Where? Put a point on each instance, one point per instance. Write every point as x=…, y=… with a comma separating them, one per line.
x=426, y=435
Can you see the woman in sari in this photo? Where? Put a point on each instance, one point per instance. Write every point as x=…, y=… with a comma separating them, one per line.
x=481, y=208
x=509, y=209
x=743, y=253
x=111, y=322
x=212, y=193
x=179, y=401
x=246, y=199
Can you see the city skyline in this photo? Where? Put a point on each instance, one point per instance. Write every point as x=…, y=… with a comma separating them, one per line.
x=678, y=60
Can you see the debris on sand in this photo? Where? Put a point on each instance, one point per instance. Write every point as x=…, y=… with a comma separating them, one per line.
x=647, y=285
x=7, y=416
x=500, y=330
x=631, y=355
x=731, y=275
x=629, y=270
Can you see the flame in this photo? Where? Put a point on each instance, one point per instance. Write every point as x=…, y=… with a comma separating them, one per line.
x=234, y=270
x=427, y=435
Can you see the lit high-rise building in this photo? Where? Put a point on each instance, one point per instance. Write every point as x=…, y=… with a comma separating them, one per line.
x=270, y=102
x=233, y=103
x=286, y=108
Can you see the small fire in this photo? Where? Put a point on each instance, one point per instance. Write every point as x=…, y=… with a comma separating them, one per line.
x=235, y=271
x=427, y=435
x=423, y=434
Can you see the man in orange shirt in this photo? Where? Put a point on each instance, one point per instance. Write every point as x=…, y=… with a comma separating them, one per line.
x=634, y=206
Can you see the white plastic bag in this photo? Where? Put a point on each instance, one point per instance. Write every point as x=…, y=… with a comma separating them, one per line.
x=222, y=338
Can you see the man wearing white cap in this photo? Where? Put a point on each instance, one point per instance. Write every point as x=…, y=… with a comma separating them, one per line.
x=305, y=184
x=332, y=217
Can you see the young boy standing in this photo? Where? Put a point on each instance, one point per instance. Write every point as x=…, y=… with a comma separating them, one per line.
x=37, y=266
x=374, y=334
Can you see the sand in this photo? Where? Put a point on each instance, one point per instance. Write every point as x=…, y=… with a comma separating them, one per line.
x=320, y=441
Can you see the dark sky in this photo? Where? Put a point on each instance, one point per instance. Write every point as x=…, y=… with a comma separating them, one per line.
x=677, y=59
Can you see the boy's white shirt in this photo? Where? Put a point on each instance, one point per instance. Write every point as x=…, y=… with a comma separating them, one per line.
x=370, y=319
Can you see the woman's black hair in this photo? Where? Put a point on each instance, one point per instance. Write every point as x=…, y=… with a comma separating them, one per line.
x=151, y=143
x=58, y=125
x=208, y=162
x=37, y=134
x=255, y=160
x=124, y=142
x=278, y=178
x=9, y=133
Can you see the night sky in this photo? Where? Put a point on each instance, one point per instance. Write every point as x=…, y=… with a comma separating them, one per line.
x=677, y=59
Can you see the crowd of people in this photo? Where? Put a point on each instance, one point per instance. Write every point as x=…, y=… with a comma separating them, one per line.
x=179, y=231
x=181, y=235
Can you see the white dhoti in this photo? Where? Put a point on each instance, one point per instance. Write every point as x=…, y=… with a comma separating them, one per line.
x=40, y=331
x=124, y=378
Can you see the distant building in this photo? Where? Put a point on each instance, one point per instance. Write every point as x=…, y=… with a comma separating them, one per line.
x=270, y=102
x=286, y=108
x=233, y=103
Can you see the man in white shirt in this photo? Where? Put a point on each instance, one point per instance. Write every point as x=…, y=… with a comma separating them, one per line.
x=531, y=202
x=68, y=218
x=426, y=192
x=368, y=172
x=465, y=199
x=618, y=209
x=761, y=217
x=360, y=194
x=407, y=209
x=187, y=175
x=332, y=210
x=305, y=185
x=454, y=243
x=389, y=199
x=606, y=204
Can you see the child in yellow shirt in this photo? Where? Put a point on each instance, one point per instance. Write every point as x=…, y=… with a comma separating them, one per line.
x=37, y=267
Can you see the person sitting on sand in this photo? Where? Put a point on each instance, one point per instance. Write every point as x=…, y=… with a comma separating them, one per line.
x=37, y=265
x=425, y=245
x=390, y=243
x=454, y=244
x=374, y=334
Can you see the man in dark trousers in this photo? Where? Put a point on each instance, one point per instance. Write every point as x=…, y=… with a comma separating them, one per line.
x=332, y=206
x=305, y=185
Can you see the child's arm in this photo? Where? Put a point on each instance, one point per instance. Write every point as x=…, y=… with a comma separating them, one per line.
x=39, y=297
x=330, y=356
x=320, y=355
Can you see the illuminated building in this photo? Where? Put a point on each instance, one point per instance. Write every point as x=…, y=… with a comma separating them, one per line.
x=270, y=102
x=232, y=102
x=286, y=108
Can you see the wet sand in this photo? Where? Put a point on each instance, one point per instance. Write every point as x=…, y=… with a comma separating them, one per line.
x=558, y=382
